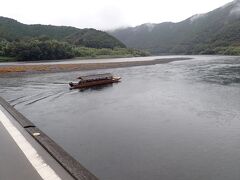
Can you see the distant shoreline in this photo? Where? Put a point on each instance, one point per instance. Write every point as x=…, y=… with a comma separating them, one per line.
x=51, y=68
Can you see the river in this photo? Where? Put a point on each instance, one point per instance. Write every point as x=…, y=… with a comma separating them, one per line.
x=174, y=121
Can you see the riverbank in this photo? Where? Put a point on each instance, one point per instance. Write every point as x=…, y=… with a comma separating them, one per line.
x=43, y=68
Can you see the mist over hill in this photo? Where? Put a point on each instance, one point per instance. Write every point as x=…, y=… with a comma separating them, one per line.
x=216, y=32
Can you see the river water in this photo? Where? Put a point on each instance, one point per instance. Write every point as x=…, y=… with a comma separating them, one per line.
x=174, y=121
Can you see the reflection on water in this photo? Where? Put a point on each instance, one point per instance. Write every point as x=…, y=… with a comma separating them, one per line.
x=225, y=71
x=171, y=121
x=96, y=88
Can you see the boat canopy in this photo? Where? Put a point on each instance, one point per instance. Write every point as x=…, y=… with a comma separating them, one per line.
x=96, y=77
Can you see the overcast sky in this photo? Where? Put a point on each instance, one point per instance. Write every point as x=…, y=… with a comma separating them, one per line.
x=104, y=14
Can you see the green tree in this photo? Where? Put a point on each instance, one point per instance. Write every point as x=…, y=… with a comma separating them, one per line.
x=39, y=50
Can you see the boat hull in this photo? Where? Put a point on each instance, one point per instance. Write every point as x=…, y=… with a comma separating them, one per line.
x=93, y=83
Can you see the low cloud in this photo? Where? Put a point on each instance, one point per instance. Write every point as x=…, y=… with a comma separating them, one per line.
x=236, y=9
x=196, y=17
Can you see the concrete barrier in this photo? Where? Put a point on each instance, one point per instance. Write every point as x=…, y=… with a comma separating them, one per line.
x=72, y=166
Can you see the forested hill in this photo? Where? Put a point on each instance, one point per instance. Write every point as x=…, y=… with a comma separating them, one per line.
x=216, y=32
x=21, y=42
x=12, y=30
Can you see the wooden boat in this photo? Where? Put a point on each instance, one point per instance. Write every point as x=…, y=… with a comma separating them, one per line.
x=94, y=80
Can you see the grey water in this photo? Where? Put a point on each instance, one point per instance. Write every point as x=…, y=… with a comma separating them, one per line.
x=174, y=121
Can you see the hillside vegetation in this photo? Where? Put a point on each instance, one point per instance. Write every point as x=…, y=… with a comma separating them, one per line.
x=12, y=30
x=216, y=32
x=45, y=42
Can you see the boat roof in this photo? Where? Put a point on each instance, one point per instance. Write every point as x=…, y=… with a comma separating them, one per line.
x=95, y=76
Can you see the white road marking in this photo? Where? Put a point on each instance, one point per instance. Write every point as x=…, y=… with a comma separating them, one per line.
x=43, y=169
